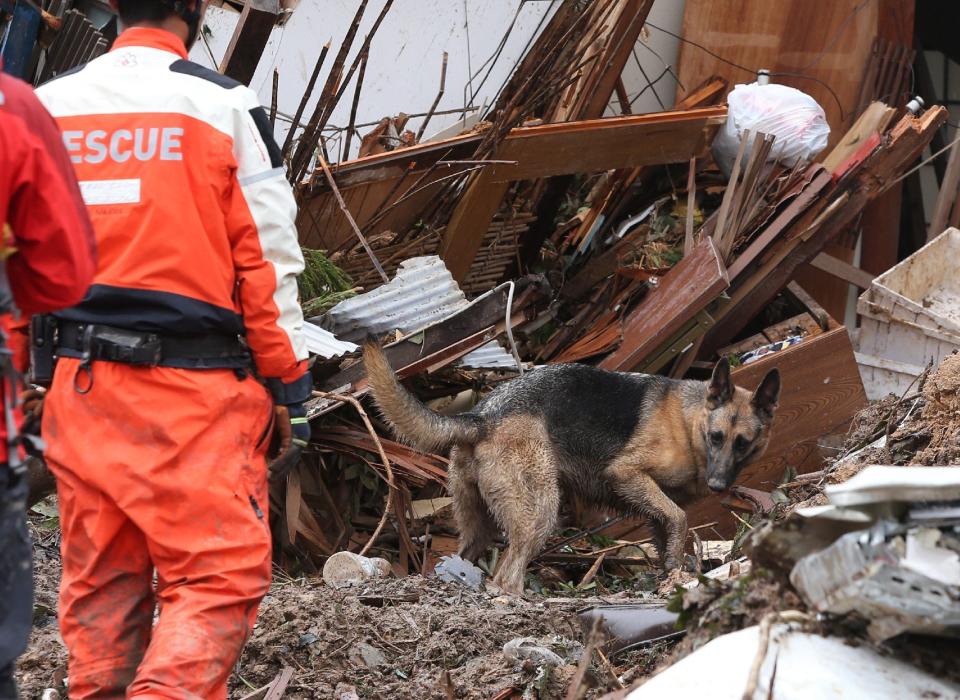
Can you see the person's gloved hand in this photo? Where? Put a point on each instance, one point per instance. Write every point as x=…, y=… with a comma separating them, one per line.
x=292, y=433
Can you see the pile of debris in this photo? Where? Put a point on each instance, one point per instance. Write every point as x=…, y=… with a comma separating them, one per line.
x=547, y=234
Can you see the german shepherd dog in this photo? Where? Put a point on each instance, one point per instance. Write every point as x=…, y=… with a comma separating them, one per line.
x=633, y=443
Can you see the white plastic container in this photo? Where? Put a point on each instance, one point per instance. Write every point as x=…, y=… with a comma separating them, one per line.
x=347, y=568
x=910, y=316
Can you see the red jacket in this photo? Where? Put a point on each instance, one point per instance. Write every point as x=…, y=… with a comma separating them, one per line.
x=193, y=214
x=47, y=239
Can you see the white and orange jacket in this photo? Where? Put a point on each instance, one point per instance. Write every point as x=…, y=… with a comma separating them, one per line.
x=193, y=216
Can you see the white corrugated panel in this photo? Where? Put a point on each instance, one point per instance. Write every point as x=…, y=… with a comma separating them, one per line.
x=422, y=293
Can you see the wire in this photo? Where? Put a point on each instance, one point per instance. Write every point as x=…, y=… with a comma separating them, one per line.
x=924, y=162
x=717, y=56
x=755, y=71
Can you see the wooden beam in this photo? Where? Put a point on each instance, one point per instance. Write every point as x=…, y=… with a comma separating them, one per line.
x=607, y=144
x=249, y=40
x=469, y=223
x=946, y=196
x=842, y=270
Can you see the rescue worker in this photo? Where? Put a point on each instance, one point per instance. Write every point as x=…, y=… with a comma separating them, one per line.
x=48, y=263
x=156, y=425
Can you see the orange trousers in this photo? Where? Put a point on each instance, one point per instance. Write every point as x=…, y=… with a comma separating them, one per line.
x=158, y=470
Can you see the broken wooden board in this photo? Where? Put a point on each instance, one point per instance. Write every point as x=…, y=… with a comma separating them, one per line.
x=683, y=293
x=575, y=147
x=873, y=121
x=588, y=96
x=781, y=251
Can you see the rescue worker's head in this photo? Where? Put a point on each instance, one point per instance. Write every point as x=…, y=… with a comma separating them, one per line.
x=181, y=17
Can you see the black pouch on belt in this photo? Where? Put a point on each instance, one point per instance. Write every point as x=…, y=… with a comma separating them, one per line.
x=121, y=345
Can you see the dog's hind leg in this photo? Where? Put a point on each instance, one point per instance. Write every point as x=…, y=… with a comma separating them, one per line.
x=474, y=521
x=669, y=521
x=522, y=490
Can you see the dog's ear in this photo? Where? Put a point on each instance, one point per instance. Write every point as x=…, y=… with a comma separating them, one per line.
x=720, y=390
x=767, y=395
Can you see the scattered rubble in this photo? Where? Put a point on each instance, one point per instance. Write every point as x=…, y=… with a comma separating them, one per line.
x=563, y=227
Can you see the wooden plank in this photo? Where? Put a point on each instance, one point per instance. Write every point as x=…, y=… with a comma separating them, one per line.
x=810, y=304
x=686, y=290
x=842, y=270
x=829, y=40
x=469, y=222
x=820, y=392
x=746, y=345
x=880, y=226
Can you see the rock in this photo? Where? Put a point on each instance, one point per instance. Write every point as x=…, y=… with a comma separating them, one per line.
x=370, y=656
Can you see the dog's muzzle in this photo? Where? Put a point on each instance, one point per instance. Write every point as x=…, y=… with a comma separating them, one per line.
x=717, y=485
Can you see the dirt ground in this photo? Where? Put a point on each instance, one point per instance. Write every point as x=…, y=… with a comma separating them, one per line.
x=417, y=638
x=390, y=638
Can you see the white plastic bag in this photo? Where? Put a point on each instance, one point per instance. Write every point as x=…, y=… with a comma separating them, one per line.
x=793, y=117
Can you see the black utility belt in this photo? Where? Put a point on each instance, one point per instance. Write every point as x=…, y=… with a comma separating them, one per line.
x=90, y=342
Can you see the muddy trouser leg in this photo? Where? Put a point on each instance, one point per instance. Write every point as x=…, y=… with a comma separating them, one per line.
x=106, y=591
x=16, y=577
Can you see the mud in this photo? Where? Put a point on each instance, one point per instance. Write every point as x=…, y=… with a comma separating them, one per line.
x=391, y=638
x=395, y=638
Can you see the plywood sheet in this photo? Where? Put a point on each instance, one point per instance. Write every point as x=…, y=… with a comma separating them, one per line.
x=829, y=40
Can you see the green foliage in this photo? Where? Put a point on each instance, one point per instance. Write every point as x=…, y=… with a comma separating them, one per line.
x=322, y=284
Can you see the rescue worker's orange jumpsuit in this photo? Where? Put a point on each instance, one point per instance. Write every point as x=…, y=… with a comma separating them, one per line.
x=163, y=468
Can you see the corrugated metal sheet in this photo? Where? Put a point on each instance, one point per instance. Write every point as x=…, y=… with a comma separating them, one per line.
x=324, y=343
x=422, y=293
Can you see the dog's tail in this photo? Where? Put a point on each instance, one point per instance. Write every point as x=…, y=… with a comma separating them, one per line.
x=410, y=419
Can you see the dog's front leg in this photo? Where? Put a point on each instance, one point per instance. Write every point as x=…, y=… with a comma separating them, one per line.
x=669, y=521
